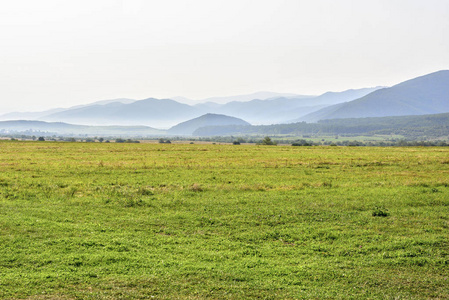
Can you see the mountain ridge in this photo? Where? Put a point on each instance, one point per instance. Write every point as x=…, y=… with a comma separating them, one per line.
x=66, y=129
x=164, y=113
x=427, y=94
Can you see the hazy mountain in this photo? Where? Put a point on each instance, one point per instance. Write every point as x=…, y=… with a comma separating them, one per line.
x=64, y=129
x=249, y=97
x=246, y=97
x=120, y=100
x=184, y=100
x=167, y=112
x=208, y=106
x=188, y=127
x=40, y=114
x=29, y=115
x=428, y=94
x=345, y=96
x=319, y=114
x=259, y=111
x=150, y=111
x=283, y=109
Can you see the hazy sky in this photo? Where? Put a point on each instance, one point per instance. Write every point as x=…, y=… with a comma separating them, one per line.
x=63, y=53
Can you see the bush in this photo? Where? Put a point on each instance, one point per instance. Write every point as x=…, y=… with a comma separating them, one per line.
x=380, y=212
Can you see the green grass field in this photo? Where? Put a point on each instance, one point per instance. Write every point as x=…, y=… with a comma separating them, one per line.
x=157, y=221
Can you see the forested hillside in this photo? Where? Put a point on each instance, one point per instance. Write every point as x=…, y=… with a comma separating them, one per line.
x=429, y=126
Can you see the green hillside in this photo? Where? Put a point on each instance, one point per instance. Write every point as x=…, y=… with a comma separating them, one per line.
x=408, y=126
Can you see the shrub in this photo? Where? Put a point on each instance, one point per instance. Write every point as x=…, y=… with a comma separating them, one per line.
x=380, y=212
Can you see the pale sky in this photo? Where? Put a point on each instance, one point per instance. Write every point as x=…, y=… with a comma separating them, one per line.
x=56, y=53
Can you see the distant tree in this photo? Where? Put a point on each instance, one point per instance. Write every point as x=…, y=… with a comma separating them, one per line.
x=267, y=141
x=41, y=139
x=119, y=140
x=101, y=140
x=302, y=143
x=163, y=141
x=131, y=141
x=236, y=143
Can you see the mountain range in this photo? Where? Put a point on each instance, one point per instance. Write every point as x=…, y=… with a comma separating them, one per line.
x=428, y=94
x=160, y=112
x=246, y=97
x=64, y=129
x=42, y=128
x=164, y=113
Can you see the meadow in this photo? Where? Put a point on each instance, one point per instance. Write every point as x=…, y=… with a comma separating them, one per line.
x=197, y=221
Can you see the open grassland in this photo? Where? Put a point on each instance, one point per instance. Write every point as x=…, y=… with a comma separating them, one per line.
x=126, y=221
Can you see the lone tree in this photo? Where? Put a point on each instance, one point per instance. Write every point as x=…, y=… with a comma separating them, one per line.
x=267, y=141
x=41, y=139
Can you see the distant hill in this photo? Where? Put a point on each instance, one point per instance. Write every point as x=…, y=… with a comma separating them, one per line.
x=284, y=109
x=41, y=114
x=188, y=127
x=435, y=126
x=329, y=98
x=160, y=112
x=428, y=94
x=120, y=100
x=412, y=127
x=246, y=97
x=64, y=129
x=29, y=115
x=164, y=113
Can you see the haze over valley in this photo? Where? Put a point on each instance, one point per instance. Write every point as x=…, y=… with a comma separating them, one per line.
x=424, y=95
x=167, y=112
